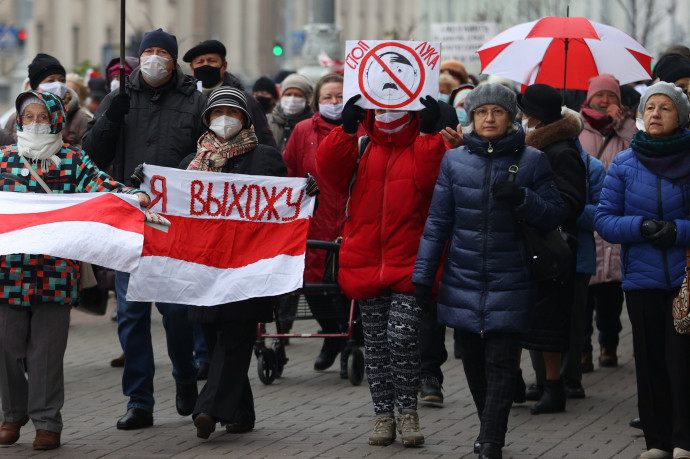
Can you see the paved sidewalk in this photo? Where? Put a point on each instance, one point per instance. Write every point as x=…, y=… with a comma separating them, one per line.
x=310, y=414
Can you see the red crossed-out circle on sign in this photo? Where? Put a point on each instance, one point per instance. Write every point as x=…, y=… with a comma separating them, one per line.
x=372, y=55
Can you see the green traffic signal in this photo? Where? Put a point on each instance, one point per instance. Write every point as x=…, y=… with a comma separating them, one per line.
x=277, y=50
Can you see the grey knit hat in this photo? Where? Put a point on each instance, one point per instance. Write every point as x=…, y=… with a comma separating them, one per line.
x=298, y=81
x=495, y=94
x=680, y=100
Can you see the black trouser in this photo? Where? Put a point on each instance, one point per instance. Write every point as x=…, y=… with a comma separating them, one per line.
x=330, y=311
x=662, y=368
x=490, y=363
x=607, y=300
x=432, y=346
x=227, y=395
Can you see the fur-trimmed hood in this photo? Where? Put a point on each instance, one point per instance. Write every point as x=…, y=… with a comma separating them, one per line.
x=566, y=128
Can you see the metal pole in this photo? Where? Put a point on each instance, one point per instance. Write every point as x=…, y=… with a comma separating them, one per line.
x=119, y=165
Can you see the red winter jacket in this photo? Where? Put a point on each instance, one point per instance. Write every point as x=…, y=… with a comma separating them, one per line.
x=329, y=218
x=389, y=203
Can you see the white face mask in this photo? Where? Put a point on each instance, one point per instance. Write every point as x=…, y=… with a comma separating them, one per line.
x=639, y=123
x=389, y=117
x=225, y=126
x=114, y=85
x=36, y=128
x=331, y=111
x=526, y=128
x=56, y=87
x=292, y=105
x=154, y=68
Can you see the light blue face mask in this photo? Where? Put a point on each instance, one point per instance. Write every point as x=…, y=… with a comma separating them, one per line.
x=462, y=116
x=444, y=97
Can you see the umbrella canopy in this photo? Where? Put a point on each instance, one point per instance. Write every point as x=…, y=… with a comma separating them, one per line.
x=564, y=52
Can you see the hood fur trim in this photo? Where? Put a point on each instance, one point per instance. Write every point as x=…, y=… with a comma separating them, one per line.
x=566, y=128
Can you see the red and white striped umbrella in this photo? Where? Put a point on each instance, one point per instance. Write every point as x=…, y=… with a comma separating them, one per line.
x=564, y=52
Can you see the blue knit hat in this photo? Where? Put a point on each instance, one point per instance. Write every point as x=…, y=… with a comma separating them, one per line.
x=160, y=39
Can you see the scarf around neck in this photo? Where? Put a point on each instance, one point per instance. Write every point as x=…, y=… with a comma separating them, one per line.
x=212, y=152
x=599, y=121
x=668, y=157
x=40, y=147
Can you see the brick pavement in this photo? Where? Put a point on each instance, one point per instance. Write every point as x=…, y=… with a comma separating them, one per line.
x=309, y=414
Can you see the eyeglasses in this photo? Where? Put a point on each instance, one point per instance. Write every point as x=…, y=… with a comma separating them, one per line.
x=30, y=118
x=496, y=112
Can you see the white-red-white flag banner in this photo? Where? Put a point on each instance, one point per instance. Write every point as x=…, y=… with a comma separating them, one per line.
x=231, y=237
x=106, y=229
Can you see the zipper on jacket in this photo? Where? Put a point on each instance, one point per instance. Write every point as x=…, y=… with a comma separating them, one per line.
x=382, y=233
x=661, y=217
x=487, y=184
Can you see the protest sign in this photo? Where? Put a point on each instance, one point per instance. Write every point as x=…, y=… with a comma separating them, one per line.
x=391, y=74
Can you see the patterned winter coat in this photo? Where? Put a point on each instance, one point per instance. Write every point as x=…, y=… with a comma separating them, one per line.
x=38, y=279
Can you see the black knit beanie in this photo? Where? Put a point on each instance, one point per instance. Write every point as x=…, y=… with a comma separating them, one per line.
x=43, y=66
x=266, y=84
x=160, y=39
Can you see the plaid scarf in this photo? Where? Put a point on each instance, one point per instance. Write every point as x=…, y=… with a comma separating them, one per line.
x=212, y=152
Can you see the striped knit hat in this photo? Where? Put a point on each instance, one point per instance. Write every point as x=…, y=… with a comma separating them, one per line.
x=229, y=97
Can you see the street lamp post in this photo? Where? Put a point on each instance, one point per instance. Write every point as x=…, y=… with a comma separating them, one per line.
x=322, y=35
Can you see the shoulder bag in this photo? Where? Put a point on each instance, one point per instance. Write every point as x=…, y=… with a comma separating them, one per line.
x=681, y=304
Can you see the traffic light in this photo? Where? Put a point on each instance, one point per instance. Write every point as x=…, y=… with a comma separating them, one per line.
x=277, y=49
x=21, y=37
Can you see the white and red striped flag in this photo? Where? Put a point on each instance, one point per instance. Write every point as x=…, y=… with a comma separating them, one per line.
x=232, y=237
x=106, y=229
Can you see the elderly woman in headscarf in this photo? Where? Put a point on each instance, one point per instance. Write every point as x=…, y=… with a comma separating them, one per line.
x=36, y=291
x=644, y=206
x=230, y=145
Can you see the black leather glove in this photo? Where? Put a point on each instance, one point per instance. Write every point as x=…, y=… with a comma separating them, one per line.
x=352, y=115
x=137, y=176
x=429, y=115
x=119, y=107
x=664, y=236
x=422, y=294
x=510, y=191
x=312, y=188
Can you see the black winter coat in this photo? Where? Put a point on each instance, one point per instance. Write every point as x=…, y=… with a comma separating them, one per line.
x=162, y=126
x=263, y=160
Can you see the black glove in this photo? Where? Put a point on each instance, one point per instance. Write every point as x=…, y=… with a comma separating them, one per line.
x=664, y=236
x=119, y=107
x=422, y=294
x=137, y=176
x=312, y=188
x=509, y=190
x=429, y=115
x=352, y=115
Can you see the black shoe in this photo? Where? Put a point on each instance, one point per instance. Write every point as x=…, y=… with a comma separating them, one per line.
x=430, y=390
x=490, y=451
x=202, y=375
x=240, y=427
x=534, y=392
x=326, y=357
x=186, y=398
x=477, y=446
x=136, y=418
x=574, y=391
x=520, y=389
x=636, y=423
x=552, y=400
x=586, y=365
x=205, y=425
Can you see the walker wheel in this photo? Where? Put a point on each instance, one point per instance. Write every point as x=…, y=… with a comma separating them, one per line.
x=355, y=366
x=266, y=366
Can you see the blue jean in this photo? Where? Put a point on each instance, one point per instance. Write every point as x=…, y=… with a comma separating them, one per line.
x=134, y=330
x=200, y=351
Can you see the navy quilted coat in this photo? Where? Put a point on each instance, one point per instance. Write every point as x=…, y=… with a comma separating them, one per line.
x=630, y=195
x=485, y=285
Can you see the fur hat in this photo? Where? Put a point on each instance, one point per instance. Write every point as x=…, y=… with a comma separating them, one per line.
x=226, y=96
x=603, y=82
x=674, y=93
x=43, y=66
x=456, y=69
x=160, y=39
x=491, y=94
x=295, y=80
x=542, y=102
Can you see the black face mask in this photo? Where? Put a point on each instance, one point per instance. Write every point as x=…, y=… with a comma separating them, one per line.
x=208, y=75
x=265, y=102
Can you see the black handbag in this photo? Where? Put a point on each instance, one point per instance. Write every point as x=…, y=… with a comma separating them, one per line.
x=549, y=257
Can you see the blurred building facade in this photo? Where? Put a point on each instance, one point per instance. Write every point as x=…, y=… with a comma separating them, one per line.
x=77, y=31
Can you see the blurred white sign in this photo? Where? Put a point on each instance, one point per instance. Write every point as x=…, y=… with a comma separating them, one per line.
x=461, y=40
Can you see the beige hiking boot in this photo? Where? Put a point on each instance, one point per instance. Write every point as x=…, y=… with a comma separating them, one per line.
x=384, y=430
x=408, y=427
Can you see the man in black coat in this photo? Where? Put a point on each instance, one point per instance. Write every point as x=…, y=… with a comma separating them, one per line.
x=207, y=62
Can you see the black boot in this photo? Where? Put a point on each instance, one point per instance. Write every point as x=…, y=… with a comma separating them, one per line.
x=344, y=354
x=329, y=351
x=534, y=392
x=553, y=399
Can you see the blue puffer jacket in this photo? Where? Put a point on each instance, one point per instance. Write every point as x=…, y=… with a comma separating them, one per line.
x=586, y=248
x=630, y=195
x=485, y=285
